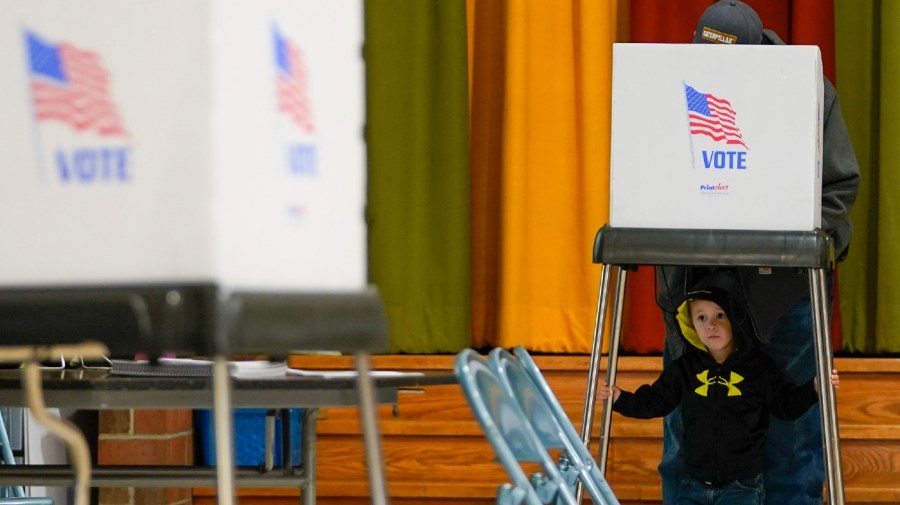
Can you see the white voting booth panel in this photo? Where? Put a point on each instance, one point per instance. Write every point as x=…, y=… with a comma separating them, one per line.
x=715, y=137
x=158, y=141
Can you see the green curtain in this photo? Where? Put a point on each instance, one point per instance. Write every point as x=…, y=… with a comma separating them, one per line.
x=868, y=59
x=418, y=156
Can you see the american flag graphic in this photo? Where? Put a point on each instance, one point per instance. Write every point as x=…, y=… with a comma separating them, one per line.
x=293, y=99
x=712, y=116
x=70, y=85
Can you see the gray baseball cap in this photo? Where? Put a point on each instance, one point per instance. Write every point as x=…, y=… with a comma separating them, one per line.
x=729, y=22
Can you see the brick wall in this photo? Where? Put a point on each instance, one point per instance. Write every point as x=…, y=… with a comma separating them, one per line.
x=149, y=437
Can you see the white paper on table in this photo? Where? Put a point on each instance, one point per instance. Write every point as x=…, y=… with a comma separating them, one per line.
x=334, y=374
x=238, y=369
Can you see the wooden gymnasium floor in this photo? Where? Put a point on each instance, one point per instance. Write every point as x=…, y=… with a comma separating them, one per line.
x=437, y=455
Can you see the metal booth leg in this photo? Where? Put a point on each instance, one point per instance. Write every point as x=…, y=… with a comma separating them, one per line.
x=612, y=362
x=590, y=395
x=611, y=366
x=371, y=435
x=827, y=402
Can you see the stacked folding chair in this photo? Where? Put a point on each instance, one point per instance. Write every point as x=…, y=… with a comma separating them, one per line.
x=523, y=422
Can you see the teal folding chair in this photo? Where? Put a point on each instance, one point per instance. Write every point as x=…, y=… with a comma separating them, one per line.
x=511, y=436
x=26, y=500
x=525, y=383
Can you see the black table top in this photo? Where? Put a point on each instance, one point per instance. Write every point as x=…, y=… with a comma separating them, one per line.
x=97, y=389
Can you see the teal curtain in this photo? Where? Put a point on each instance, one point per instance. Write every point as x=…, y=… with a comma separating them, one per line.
x=868, y=60
x=418, y=156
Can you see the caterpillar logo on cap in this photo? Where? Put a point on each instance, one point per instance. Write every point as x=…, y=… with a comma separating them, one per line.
x=718, y=37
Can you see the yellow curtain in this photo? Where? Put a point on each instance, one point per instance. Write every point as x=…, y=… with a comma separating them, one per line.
x=540, y=188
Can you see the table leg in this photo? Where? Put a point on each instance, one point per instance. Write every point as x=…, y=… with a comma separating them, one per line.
x=222, y=421
x=309, y=438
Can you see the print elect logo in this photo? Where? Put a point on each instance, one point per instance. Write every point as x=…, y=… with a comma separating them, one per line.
x=70, y=85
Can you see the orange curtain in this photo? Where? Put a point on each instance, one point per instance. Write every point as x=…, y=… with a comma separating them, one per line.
x=540, y=77
x=795, y=21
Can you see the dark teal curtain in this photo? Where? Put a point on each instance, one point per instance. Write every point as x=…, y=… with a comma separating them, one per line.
x=418, y=156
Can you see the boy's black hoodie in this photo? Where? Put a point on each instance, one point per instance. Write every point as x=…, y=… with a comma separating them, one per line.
x=725, y=406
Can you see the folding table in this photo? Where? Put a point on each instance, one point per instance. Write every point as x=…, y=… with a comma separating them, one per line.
x=205, y=320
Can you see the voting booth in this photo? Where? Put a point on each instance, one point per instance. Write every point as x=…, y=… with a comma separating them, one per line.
x=709, y=136
x=716, y=159
x=187, y=176
x=167, y=142
x=212, y=146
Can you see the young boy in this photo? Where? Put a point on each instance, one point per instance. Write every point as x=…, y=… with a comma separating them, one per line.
x=726, y=388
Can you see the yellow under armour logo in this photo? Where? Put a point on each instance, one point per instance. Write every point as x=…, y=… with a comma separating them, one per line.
x=706, y=381
x=702, y=390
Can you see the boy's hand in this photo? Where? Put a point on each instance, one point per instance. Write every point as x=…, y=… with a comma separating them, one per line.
x=606, y=392
x=835, y=381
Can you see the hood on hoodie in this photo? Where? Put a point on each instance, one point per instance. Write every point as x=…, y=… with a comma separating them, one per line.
x=723, y=288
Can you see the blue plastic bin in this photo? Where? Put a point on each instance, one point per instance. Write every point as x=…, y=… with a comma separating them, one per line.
x=249, y=437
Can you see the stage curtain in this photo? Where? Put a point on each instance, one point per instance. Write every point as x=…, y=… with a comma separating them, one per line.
x=487, y=77
x=869, y=65
x=795, y=21
x=418, y=211
x=540, y=169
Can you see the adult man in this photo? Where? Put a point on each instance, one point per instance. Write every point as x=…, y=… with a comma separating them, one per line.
x=778, y=298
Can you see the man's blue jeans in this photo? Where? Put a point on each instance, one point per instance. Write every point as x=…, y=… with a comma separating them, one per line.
x=738, y=492
x=793, y=466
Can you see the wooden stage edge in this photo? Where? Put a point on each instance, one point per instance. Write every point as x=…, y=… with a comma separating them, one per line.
x=436, y=454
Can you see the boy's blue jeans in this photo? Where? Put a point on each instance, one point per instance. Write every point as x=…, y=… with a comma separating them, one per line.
x=794, y=469
x=738, y=492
